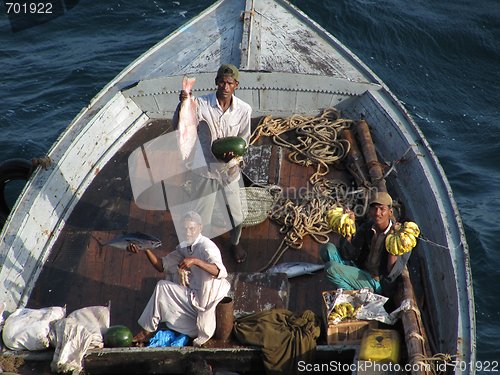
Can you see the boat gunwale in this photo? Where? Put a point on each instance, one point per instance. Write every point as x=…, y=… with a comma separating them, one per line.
x=56, y=229
x=123, y=79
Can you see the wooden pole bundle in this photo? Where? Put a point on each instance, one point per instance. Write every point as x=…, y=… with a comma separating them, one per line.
x=355, y=161
x=374, y=168
x=415, y=334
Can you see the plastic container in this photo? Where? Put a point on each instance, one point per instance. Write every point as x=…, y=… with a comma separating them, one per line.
x=380, y=345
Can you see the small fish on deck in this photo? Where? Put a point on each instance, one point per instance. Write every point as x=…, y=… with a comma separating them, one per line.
x=188, y=120
x=294, y=269
x=141, y=240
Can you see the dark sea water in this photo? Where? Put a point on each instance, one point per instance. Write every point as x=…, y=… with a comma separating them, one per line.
x=441, y=58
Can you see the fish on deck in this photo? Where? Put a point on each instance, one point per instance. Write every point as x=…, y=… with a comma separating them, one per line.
x=141, y=240
x=188, y=119
x=294, y=269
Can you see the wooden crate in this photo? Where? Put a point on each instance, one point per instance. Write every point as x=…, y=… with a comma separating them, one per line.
x=348, y=332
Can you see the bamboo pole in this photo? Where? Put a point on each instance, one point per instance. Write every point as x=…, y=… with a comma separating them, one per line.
x=416, y=339
x=355, y=161
x=374, y=169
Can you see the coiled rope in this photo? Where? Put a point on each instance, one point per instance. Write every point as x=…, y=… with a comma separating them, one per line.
x=316, y=142
x=297, y=219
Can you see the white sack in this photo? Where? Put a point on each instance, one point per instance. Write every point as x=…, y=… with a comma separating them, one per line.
x=28, y=329
x=73, y=336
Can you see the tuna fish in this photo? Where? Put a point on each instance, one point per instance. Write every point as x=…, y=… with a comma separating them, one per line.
x=294, y=269
x=188, y=121
x=143, y=241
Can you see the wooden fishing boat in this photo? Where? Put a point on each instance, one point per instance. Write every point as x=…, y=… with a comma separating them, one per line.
x=51, y=245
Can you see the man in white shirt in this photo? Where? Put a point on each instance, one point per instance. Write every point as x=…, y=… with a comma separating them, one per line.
x=186, y=309
x=221, y=114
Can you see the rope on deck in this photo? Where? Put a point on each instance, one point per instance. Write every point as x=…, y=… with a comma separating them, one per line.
x=315, y=142
x=317, y=139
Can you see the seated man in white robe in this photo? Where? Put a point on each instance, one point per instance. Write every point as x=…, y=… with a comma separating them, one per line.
x=188, y=309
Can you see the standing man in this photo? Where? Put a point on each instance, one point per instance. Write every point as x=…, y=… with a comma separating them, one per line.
x=186, y=309
x=363, y=261
x=220, y=114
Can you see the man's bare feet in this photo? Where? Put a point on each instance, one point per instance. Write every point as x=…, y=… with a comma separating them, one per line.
x=239, y=253
x=142, y=337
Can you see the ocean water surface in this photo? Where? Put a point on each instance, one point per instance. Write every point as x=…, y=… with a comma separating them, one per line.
x=442, y=59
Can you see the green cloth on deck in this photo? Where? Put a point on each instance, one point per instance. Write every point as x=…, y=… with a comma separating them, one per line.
x=285, y=337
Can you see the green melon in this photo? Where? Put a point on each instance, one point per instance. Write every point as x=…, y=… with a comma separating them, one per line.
x=222, y=146
x=118, y=336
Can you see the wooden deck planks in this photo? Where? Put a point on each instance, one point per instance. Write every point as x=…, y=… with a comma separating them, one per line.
x=82, y=272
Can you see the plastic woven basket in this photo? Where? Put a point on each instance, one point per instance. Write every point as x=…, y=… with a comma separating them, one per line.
x=256, y=204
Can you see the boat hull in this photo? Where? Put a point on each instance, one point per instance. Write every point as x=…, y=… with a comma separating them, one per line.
x=289, y=65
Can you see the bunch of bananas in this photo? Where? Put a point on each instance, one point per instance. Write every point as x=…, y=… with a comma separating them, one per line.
x=341, y=222
x=343, y=311
x=183, y=277
x=403, y=239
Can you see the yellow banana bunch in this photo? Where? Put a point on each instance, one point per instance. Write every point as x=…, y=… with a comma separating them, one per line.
x=411, y=228
x=333, y=213
x=341, y=222
x=343, y=311
x=403, y=239
x=183, y=277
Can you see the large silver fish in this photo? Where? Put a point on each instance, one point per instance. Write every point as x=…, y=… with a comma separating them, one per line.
x=143, y=241
x=188, y=120
x=294, y=269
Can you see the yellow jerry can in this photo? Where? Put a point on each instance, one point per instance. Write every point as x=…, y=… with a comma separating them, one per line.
x=380, y=345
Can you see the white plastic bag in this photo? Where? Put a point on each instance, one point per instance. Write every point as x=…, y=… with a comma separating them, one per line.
x=28, y=329
x=2, y=309
x=371, y=305
x=73, y=336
